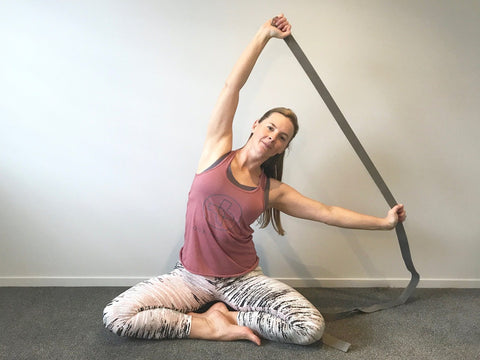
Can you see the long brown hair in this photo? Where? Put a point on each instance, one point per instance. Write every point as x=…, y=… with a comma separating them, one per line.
x=273, y=168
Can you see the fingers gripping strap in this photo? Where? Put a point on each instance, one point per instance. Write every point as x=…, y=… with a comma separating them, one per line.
x=367, y=162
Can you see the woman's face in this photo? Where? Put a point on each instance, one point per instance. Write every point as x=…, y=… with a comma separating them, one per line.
x=273, y=134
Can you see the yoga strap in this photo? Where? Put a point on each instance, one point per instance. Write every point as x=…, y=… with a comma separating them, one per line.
x=367, y=162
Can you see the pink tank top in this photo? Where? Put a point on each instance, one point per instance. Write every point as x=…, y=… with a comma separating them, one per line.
x=218, y=235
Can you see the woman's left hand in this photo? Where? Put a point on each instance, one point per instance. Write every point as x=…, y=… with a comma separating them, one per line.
x=395, y=215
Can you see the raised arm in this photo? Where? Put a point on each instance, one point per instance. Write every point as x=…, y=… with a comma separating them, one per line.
x=219, y=131
x=291, y=202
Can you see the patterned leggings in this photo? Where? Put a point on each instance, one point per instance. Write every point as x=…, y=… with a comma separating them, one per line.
x=156, y=308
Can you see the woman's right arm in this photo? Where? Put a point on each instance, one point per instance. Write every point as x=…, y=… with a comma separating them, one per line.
x=219, y=131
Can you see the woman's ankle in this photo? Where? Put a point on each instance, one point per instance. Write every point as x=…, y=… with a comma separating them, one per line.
x=216, y=324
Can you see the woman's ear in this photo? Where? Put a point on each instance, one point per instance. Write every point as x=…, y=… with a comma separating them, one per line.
x=255, y=124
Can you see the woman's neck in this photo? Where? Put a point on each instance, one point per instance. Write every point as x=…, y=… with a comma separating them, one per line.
x=247, y=160
x=245, y=169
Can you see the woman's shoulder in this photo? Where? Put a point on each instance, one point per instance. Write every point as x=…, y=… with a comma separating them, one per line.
x=216, y=162
x=277, y=189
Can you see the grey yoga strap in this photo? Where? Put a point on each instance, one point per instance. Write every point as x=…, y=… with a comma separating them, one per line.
x=367, y=162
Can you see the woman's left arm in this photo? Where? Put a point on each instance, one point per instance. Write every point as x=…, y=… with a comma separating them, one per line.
x=288, y=200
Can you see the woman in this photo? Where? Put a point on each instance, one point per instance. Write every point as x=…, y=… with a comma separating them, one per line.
x=218, y=262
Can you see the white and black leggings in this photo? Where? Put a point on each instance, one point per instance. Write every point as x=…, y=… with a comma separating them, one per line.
x=157, y=308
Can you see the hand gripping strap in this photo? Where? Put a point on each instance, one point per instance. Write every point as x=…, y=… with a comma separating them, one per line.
x=367, y=162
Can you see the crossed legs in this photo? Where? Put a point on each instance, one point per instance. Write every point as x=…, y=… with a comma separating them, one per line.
x=165, y=307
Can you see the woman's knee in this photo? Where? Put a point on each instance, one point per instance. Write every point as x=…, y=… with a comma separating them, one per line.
x=111, y=318
x=116, y=315
x=311, y=332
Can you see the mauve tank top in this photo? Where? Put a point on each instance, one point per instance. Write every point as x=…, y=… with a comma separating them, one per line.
x=218, y=235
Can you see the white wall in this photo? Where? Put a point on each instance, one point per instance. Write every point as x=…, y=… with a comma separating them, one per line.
x=103, y=106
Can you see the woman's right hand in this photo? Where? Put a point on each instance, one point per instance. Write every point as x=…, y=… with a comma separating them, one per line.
x=278, y=27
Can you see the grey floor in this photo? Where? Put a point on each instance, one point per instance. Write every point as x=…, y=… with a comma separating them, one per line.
x=65, y=323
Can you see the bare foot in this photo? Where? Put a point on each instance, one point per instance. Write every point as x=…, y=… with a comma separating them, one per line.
x=219, y=306
x=220, y=324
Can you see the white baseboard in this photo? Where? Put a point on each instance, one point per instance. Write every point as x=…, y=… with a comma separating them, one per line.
x=392, y=283
x=295, y=282
x=70, y=281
